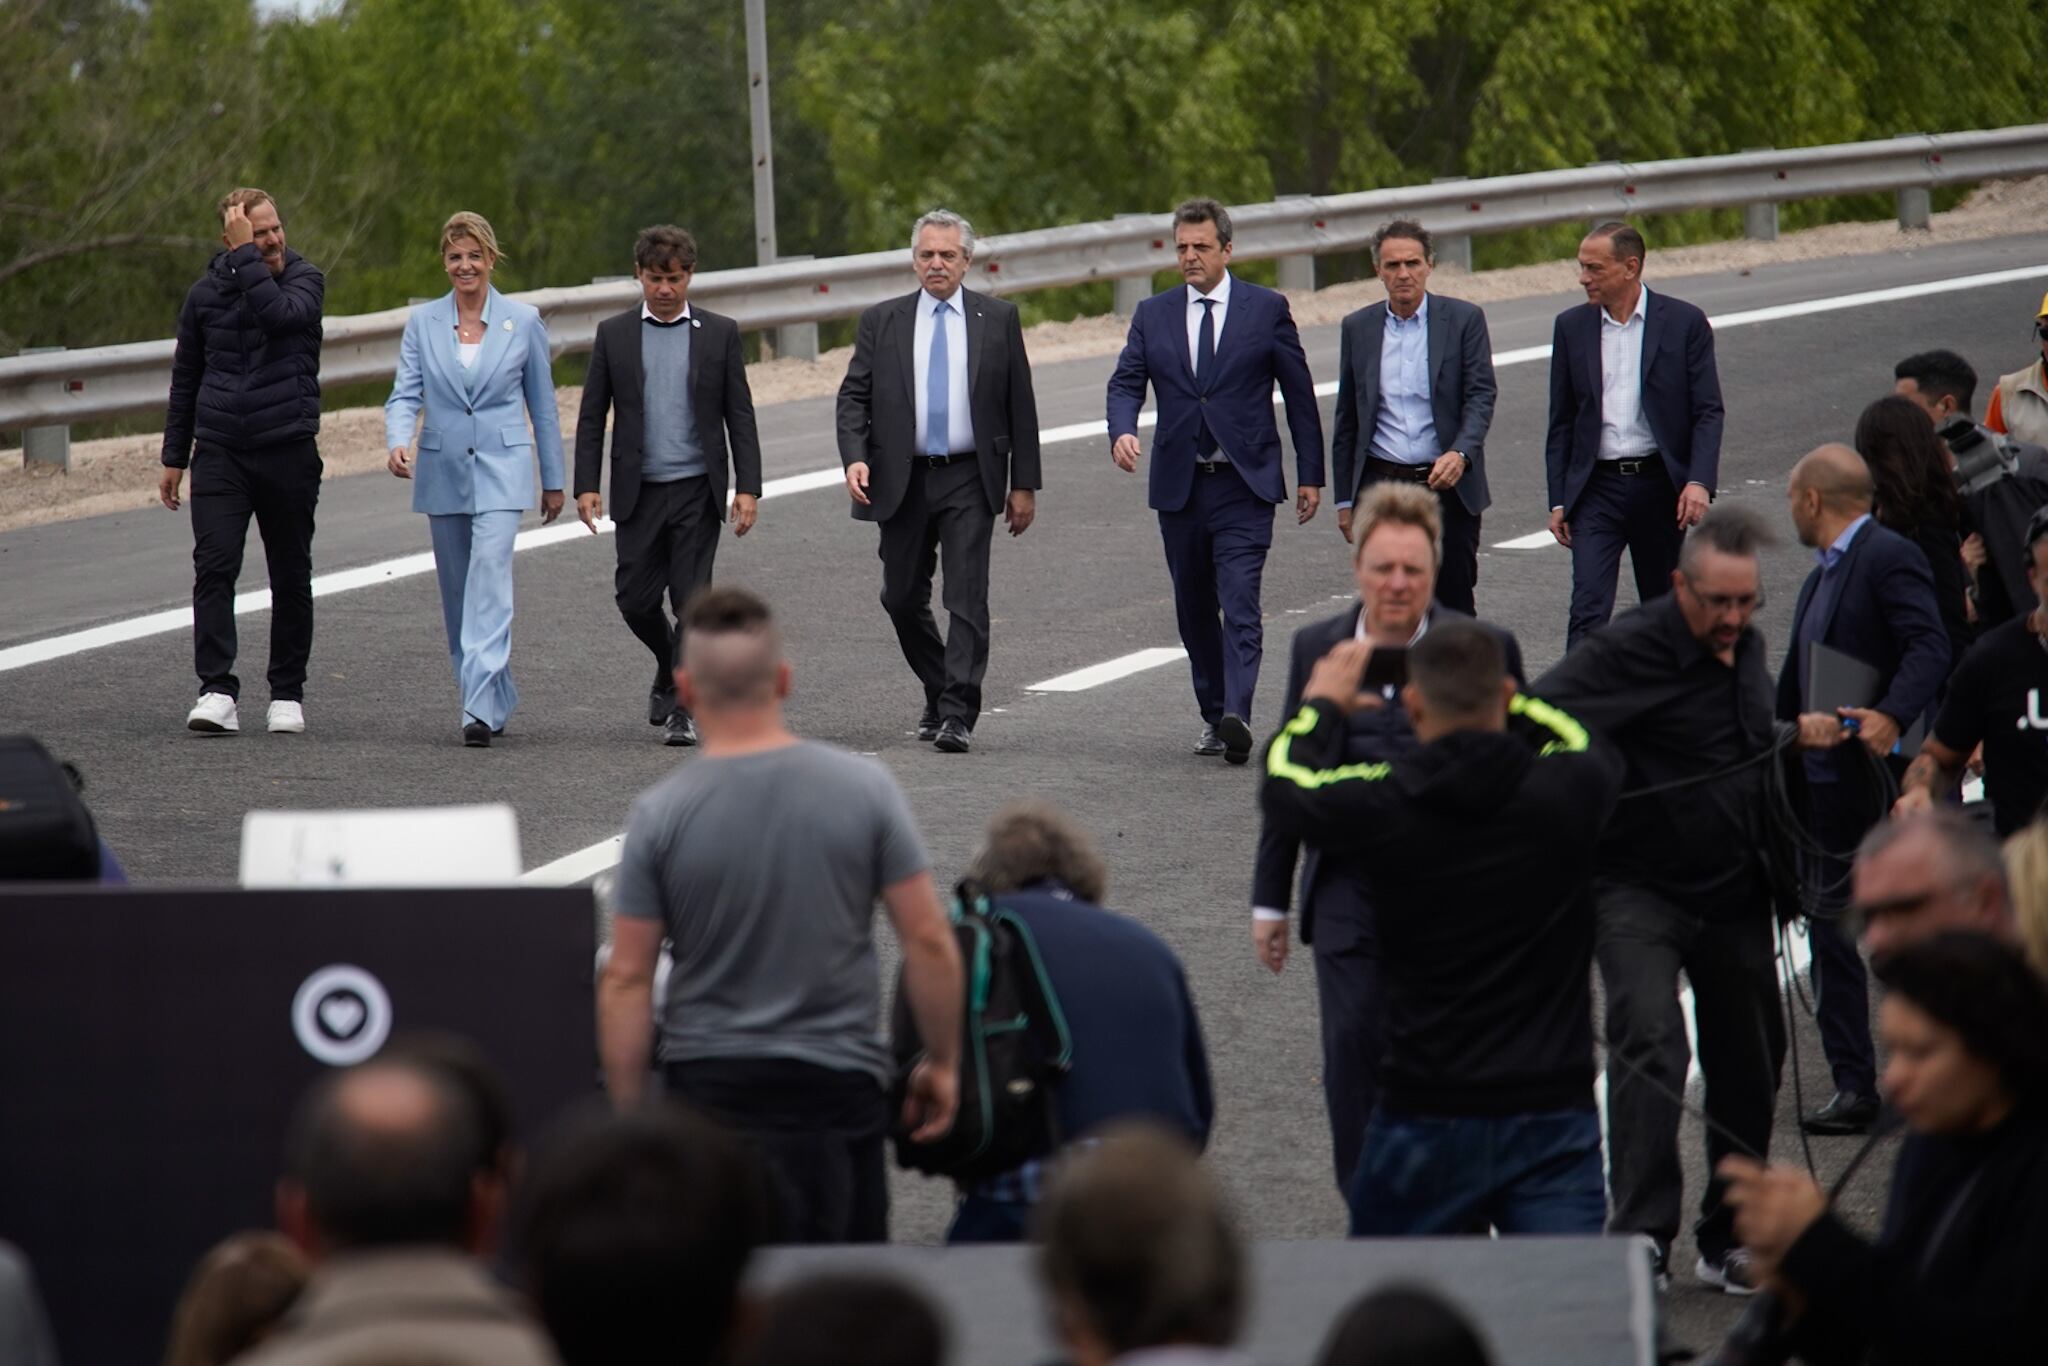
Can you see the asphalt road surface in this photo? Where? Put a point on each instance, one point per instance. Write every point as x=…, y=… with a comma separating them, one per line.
x=1085, y=586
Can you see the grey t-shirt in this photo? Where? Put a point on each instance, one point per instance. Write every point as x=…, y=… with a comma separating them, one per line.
x=764, y=869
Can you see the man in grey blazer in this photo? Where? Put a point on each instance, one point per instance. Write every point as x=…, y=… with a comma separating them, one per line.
x=1415, y=394
x=671, y=377
x=938, y=431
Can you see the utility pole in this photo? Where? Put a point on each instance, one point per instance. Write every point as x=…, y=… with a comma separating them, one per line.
x=764, y=151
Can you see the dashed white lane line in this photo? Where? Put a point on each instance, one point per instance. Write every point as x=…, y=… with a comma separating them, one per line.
x=1096, y=675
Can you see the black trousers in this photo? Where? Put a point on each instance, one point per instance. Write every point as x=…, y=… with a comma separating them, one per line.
x=819, y=1133
x=944, y=512
x=1353, y=1013
x=666, y=545
x=1842, y=813
x=279, y=486
x=1457, y=578
x=1633, y=512
x=1642, y=942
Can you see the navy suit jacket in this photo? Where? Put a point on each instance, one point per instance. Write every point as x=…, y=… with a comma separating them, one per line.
x=1884, y=614
x=1681, y=397
x=1461, y=393
x=1258, y=348
x=1371, y=736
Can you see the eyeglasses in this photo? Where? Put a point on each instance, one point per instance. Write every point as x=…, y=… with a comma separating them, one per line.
x=1719, y=603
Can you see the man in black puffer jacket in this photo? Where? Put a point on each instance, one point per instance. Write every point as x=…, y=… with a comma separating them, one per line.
x=245, y=392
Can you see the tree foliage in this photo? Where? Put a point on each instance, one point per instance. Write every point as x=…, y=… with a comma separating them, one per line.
x=571, y=123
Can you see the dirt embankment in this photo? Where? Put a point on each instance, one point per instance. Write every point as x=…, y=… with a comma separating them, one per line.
x=121, y=472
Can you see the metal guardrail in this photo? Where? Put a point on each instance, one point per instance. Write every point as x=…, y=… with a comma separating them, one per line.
x=77, y=386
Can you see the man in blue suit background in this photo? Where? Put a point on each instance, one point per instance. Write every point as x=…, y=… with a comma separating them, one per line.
x=1212, y=352
x=1634, y=445
x=1871, y=596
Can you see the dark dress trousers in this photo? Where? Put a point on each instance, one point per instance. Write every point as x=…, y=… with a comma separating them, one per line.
x=1336, y=913
x=667, y=533
x=1461, y=399
x=1216, y=517
x=1876, y=604
x=1608, y=510
x=927, y=509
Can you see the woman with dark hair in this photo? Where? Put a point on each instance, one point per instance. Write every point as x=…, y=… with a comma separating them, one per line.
x=1916, y=497
x=1960, y=1270
x=237, y=1296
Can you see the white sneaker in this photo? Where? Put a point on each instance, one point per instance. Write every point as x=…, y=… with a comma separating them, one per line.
x=214, y=714
x=287, y=718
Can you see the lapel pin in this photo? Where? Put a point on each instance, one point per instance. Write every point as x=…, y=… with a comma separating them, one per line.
x=508, y=324
x=695, y=321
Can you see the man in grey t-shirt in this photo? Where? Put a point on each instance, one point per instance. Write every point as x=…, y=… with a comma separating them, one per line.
x=761, y=863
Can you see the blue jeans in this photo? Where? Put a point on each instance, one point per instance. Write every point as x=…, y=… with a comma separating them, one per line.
x=1443, y=1175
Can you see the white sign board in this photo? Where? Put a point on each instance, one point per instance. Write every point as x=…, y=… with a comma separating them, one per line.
x=435, y=846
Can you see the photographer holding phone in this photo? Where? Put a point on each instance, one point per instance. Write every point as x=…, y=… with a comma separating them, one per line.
x=1397, y=548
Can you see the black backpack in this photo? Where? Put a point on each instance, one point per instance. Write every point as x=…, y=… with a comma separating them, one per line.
x=46, y=834
x=1014, y=1048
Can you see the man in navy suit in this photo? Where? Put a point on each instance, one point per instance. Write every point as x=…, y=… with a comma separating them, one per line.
x=1635, y=427
x=1212, y=352
x=1872, y=598
x=1399, y=542
x=1415, y=394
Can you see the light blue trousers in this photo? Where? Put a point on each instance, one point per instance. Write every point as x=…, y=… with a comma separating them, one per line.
x=473, y=561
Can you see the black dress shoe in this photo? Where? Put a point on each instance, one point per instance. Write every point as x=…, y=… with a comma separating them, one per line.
x=928, y=725
x=1210, y=742
x=679, y=729
x=476, y=735
x=1847, y=1113
x=953, y=737
x=1237, y=739
x=661, y=703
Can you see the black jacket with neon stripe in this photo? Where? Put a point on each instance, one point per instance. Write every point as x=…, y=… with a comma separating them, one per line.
x=1479, y=849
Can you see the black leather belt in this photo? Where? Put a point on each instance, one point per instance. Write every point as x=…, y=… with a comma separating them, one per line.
x=1641, y=464
x=1394, y=469
x=1211, y=466
x=939, y=462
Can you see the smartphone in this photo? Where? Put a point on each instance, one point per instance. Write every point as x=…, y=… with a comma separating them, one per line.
x=1385, y=668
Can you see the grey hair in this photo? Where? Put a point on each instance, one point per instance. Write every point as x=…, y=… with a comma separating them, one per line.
x=944, y=218
x=1728, y=528
x=1969, y=852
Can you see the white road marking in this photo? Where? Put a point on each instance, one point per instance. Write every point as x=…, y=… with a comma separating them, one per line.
x=1535, y=540
x=1095, y=675
x=571, y=869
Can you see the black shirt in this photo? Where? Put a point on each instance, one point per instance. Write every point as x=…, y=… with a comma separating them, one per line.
x=1675, y=711
x=1478, y=850
x=1999, y=698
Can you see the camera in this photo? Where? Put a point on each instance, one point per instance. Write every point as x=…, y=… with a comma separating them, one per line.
x=1981, y=459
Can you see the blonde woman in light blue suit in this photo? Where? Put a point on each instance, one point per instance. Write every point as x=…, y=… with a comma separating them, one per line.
x=475, y=363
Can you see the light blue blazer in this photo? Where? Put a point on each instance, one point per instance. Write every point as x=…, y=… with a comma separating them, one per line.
x=475, y=454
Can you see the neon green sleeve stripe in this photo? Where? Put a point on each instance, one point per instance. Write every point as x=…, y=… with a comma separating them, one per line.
x=1280, y=764
x=1571, y=736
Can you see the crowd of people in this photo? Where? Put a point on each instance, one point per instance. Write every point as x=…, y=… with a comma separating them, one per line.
x=1465, y=845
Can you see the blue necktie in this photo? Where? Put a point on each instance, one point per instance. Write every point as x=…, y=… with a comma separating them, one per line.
x=938, y=390
x=1205, y=362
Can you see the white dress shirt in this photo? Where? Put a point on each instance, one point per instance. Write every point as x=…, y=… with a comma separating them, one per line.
x=647, y=314
x=1221, y=296
x=959, y=421
x=1624, y=431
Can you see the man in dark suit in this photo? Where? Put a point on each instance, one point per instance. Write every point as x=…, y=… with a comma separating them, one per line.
x=1635, y=427
x=1872, y=598
x=672, y=378
x=938, y=431
x=1212, y=351
x=1399, y=538
x=1415, y=395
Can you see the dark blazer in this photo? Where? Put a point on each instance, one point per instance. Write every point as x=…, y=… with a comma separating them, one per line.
x=1461, y=393
x=1374, y=735
x=1259, y=346
x=878, y=408
x=720, y=401
x=1884, y=614
x=1681, y=396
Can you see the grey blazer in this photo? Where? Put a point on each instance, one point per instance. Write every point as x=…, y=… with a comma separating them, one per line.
x=1461, y=393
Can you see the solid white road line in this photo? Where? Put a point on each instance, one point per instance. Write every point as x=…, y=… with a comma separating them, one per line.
x=571, y=869
x=1535, y=540
x=1096, y=675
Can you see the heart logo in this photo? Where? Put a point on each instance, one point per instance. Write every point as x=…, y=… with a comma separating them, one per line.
x=342, y=1014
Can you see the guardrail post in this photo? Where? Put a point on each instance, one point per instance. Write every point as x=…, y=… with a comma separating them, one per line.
x=1297, y=272
x=798, y=341
x=1132, y=289
x=49, y=446
x=1916, y=203
x=1760, y=221
x=1454, y=249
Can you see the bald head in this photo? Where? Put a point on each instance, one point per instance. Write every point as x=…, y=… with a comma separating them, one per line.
x=1838, y=475
x=384, y=1155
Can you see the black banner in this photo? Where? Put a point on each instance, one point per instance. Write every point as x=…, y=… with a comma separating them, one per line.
x=153, y=1044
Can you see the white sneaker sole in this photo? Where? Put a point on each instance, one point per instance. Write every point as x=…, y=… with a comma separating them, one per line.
x=287, y=727
x=1709, y=1274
